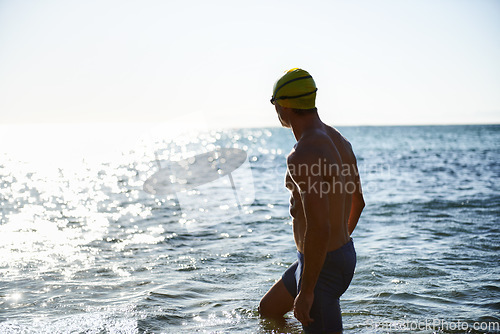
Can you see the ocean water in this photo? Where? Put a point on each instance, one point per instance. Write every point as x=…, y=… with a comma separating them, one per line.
x=85, y=249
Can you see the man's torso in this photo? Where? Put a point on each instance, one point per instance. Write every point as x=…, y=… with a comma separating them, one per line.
x=337, y=168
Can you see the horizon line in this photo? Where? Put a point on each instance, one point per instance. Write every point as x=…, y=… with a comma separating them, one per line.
x=232, y=126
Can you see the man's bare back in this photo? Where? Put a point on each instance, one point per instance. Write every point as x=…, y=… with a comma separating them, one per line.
x=336, y=165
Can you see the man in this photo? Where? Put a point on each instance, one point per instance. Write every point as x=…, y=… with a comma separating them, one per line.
x=325, y=205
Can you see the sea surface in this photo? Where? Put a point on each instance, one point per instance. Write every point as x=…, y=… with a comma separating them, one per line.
x=85, y=249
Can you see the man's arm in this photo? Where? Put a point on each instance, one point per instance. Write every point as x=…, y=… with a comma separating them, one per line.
x=357, y=203
x=316, y=212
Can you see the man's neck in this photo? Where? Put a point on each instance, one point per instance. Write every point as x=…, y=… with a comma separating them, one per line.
x=301, y=124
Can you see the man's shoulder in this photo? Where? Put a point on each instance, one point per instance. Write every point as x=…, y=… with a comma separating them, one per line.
x=336, y=136
x=314, y=146
x=343, y=145
x=315, y=139
x=311, y=143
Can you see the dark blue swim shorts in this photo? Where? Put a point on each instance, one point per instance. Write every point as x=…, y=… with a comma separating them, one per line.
x=335, y=277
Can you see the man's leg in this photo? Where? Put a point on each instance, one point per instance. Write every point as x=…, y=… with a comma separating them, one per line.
x=276, y=302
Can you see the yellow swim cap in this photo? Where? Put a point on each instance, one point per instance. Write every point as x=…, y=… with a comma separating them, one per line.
x=295, y=89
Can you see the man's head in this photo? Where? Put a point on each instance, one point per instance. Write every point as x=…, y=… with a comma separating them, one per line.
x=295, y=91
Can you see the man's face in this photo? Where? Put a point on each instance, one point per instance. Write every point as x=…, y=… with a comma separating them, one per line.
x=280, y=112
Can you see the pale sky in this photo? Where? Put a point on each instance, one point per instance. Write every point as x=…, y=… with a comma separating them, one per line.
x=374, y=62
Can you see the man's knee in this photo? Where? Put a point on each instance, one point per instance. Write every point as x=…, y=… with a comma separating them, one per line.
x=264, y=308
x=269, y=308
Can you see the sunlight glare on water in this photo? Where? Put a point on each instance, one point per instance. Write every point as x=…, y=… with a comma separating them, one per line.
x=85, y=249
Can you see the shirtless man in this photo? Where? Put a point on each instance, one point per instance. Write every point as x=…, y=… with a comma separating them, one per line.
x=325, y=205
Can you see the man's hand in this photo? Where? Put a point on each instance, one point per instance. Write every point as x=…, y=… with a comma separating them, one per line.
x=302, y=307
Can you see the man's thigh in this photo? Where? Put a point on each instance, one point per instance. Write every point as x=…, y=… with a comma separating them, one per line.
x=326, y=314
x=276, y=302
